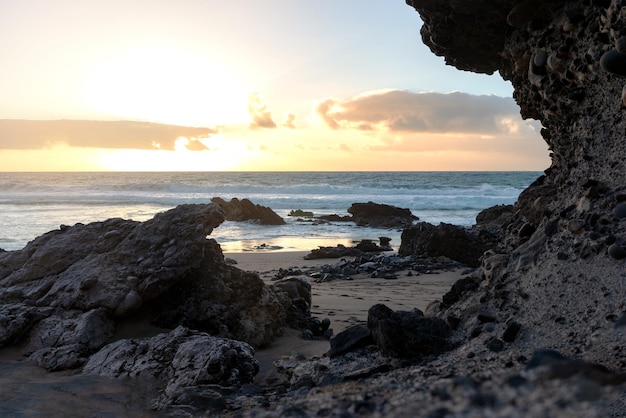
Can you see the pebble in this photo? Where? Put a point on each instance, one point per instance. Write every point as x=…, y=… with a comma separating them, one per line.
x=494, y=344
x=614, y=62
x=617, y=251
x=619, y=211
x=511, y=332
x=486, y=316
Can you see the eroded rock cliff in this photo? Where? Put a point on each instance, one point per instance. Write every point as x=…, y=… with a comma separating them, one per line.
x=540, y=328
x=569, y=271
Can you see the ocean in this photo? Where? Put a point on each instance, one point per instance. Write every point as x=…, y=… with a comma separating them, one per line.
x=34, y=203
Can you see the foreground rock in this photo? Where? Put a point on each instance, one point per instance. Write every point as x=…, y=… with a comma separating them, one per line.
x=244, y=210
x=175, y=362
x=62, y=295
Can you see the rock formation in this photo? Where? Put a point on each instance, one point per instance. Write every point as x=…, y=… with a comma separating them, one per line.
x=63, y=294
x=377, y=215
x=555, y=263
x=465, y=245
x=244, y=210
x=540, y=329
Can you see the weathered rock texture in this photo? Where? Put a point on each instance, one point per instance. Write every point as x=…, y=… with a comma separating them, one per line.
x=465, y=245
x=62, y=295
x=557, y=279
x=553, y=265
x=378, y=215
x=244, y=210
x=176, y=361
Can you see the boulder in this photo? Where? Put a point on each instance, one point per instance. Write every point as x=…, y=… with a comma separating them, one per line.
x=350, y=339
x=62, y=295
x=244, y=210
x=378, y=215
x=407, y=334
x=464, y=245
x=176, y=360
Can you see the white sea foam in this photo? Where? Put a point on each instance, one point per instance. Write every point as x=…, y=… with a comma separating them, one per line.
x=34, y=203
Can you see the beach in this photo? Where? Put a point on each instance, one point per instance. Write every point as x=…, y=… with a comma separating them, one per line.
x=34, y=391
x=344, y=302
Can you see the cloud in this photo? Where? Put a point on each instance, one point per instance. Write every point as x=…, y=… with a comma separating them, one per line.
x=36, y=134
x=403, y=111
x=261, y=116
x=290, y=121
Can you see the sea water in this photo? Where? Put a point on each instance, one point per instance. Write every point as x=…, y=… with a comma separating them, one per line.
x=34, y=203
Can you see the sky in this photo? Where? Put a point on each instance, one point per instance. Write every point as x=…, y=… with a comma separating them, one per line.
x=281, y=85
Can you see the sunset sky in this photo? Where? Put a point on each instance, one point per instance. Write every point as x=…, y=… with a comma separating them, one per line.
x=245, y=85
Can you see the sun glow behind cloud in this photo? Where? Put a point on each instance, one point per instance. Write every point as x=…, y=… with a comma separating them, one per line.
x=166, y=85
x=217, y=155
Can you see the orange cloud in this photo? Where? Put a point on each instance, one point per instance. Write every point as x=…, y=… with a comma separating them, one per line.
x=403, y=111
x=290, y=122
x=36, y=134
x=259, y=112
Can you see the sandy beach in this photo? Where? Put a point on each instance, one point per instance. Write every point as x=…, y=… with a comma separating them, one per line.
x=31, y=390
x=344, y=302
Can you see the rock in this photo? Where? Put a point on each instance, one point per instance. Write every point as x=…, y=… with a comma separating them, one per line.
x=616, y=251
x=614, y=62
x=378, y=215
x=176, y=360
x=244, y=210
x=333, y=252
x=494, y=344
x=619, y=211
x=463, y=245
x=495, y=217
x=65, y=341
x=551, y=364
x=511, y=331
x=62, y=294
x=407, y=334
x=459, y=288
x=350, y=339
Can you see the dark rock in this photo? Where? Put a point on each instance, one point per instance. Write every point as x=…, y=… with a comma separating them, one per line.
x=333, y=252
x=616, y=251
x=494, y=344
x=244, y=210
x=407, y=334
x=526, y=230
x=62, y=294
x=458, y=288
x=336, y=218
x=495, y=217
x=378, y=215
x=352, y=338
x=553, y=365
x=486, y=316
x=511, y=331
x=614, y=62
x=619, y=211
x=461, y=244
x=176, y=360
